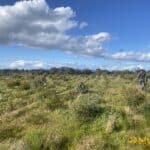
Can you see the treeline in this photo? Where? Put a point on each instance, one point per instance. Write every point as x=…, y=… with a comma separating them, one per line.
x=64, y=70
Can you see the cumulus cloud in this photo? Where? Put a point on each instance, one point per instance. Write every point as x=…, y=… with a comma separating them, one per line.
x=83, y=25
x=39, y=64
x=23, y=64
x=33, y=23
x=129, y=55
x=131, y=67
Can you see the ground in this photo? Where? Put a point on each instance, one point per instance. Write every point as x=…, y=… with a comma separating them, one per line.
x=46, y=112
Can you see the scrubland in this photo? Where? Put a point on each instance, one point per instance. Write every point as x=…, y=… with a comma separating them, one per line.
x=46, y=112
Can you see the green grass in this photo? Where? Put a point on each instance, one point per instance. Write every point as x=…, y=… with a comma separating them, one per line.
x=45, y=112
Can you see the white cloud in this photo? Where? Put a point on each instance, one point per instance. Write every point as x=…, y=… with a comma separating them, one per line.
x=40, y=64
x=83, y=25
x=124, y=66
x=33, y=23
x=133, y=67
x=22, y=64
x=129, y=55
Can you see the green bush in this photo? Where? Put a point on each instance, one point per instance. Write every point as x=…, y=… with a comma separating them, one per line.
x=13, y=83
x=59, y=143
x=122, y=122
x=11, y=105
x=134, y=96
x=25, y=85
x=89, y=143
x=56, y=139
x=50, y=99
x=145, y=111
x=34, y=138
x=86, y=107
x=48, y=93
x=53, y=103
x=53, y=138
x=38, y=81
x=10, y=131
x=37, y=118
x=82, y=88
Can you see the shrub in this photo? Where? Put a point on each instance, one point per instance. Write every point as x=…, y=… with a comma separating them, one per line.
x=34, y=138
x=82, y=88
x=38, y=81
x=50, y=99
x=145, y=111
x=25, y=85
x=10, y=131
x=11, y=105
x=96, y=143
x=56, y=139
x=53, y=138
x=114, y=97
x=122, y=122
x=53, y=103
x=86, y=108
x=13, y=83
x=5, y=145
x=37, y=118
x=57, y=143
x=89, y=143
x=18, y=145
x=48, y=93
x=134, y=96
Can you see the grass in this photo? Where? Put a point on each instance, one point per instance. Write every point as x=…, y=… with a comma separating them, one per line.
x=46, y=112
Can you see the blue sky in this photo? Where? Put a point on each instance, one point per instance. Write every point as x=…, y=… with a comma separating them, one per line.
x=92, y=34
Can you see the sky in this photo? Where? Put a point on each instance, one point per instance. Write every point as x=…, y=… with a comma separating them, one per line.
x=105, y=34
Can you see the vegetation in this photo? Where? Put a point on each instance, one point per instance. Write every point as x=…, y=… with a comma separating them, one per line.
x=43, y=110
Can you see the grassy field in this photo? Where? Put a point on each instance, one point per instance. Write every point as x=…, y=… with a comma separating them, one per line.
x=45, y=112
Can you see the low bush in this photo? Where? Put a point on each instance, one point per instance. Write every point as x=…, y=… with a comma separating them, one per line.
x=86, y=107
x=13, y=83
x=57, y=143
x=89, y=143
x=50, y=99
x=34, y=138
x=134, y=96
x=53, y=103
x=82, y=88
x=47, y=139
x=10, y=131
x=37, y=118
x=38, y=81
x=25, y=85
